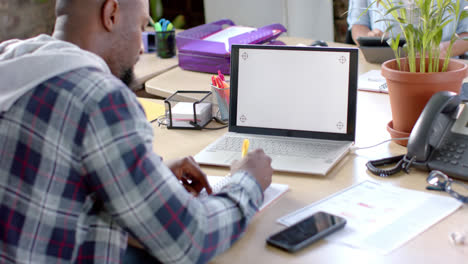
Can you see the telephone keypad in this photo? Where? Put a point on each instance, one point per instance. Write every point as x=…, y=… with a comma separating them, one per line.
x=450, y=151
x=450, y=156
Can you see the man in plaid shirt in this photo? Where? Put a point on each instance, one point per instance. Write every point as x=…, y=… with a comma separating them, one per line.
x=77, y=169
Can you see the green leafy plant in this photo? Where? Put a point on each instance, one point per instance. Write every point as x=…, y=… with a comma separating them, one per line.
x=421, y=23
x=156, y=9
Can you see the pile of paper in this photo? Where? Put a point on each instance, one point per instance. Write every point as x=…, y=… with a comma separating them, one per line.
x=183, y=114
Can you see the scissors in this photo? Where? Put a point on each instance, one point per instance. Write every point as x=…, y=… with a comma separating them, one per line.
x=165, y=25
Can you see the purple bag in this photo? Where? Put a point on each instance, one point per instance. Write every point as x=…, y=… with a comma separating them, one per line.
x=196, y=53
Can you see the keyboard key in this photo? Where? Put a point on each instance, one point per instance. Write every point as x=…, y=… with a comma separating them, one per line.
x=281, y=147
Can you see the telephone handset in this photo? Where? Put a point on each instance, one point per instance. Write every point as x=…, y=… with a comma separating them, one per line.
x=432, y=124
x=439, y=139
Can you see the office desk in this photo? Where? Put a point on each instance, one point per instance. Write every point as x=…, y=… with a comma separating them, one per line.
x=373, y=113
x=150, y=66
x=432, y=246
x=178, y=79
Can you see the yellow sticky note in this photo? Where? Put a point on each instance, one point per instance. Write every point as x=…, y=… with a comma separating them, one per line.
x=152, y=109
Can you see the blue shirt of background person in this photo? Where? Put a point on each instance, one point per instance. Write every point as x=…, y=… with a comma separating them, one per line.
x=366, y=25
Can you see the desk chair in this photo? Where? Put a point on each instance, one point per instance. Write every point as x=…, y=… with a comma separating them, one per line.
x=349, y=37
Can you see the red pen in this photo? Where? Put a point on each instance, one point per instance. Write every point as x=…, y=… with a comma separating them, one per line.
x=219, y=83
x=213, y=80
x=221, y=75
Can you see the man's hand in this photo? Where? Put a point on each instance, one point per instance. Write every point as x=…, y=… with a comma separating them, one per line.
x=375, y=33
x=363, y=30
x=258, y=164
x=189, y=173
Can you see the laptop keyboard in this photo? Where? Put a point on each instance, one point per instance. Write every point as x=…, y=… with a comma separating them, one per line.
x=280, y=147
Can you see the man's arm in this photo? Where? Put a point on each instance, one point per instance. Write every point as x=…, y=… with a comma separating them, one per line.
x=459, y=47
x=358, y=19
x=144, y=197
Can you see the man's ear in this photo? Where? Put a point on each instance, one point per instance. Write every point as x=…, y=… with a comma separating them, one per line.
x=110, y=14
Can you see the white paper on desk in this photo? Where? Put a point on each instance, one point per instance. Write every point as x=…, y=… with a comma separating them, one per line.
x=379, y=217
x=227, y=33
x=273, y=192
x=372, y=81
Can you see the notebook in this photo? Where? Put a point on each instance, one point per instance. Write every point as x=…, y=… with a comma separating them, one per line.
x=372, y=81
x=296, y=103
x=273, y=192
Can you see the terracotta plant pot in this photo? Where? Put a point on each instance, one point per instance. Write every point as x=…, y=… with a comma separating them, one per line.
x=409, y=92
x=397, y=134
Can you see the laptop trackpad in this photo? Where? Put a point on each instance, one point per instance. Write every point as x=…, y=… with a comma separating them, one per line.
x=299, y=164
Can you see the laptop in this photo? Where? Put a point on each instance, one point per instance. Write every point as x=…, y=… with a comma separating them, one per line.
x=376, y=49
x=296, y=103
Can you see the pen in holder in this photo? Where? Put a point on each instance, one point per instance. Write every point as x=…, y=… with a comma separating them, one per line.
x=220, y=103
x=188, y=109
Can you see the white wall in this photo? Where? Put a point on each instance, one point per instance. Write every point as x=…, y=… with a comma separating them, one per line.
x=303, y=18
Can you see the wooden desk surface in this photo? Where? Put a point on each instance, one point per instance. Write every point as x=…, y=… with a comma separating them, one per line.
x=432, y=246
x=150, y=66
x=178, y=79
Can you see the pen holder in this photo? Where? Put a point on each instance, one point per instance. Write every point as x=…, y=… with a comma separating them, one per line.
x=188, y=109
x=220, y=102
x=149, y=41
x=165, y=43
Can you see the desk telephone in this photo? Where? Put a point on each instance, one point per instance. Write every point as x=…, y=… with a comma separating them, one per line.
x=439, y=139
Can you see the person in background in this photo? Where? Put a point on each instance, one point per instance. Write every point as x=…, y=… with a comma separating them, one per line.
x=367, y=24
x=78, y=174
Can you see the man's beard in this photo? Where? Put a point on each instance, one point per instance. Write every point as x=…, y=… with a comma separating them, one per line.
x=128, y=76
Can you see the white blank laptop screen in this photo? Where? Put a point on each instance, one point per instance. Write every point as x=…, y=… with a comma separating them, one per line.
x=304, y=97
x=293, y=89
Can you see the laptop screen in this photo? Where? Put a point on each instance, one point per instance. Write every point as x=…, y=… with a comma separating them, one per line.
x=294, y=91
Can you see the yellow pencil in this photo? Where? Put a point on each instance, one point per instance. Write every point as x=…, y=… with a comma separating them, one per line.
x=245, y=147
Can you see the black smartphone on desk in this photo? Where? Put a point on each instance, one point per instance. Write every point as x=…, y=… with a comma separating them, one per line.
x=306, y=231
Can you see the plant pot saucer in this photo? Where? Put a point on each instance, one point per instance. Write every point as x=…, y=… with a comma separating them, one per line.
x=397, y=134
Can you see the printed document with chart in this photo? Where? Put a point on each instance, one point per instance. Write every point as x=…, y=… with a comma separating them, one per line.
x=379, y=217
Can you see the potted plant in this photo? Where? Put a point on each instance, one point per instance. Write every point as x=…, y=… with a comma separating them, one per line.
x=412, y=80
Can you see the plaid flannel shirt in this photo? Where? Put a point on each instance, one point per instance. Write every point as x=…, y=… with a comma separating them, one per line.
x=77, y=173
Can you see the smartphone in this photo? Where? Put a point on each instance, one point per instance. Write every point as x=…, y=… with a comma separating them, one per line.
x=306, y=231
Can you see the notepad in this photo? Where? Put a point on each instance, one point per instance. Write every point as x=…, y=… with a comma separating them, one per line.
x=273, y=192
x=183, y=114
x=372, y=81
x=152, y=110
x=227, y=33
